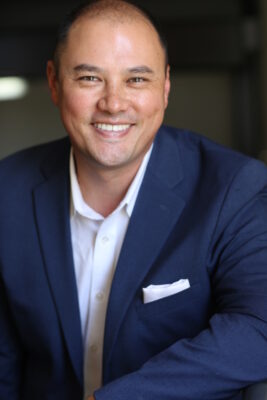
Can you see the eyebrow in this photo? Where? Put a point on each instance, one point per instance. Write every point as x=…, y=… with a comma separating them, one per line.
x=140, y=69
x=87, y=67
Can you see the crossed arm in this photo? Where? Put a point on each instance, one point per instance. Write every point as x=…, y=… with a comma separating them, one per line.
x=228, y=355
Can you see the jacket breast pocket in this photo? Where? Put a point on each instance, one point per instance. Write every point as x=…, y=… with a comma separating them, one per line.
x=181, y=315
x=176, y=303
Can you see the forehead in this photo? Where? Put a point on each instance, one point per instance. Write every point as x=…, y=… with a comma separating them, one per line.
x=112, y=40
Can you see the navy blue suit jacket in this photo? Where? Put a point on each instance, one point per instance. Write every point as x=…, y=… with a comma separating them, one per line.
x=201, y=214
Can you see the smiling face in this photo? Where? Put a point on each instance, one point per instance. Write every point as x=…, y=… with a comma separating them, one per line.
x=112, y=89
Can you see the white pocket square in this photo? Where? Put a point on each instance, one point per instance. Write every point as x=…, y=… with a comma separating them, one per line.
x=156, y=292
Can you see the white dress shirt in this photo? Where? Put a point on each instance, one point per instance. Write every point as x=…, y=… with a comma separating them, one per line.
x=96, y=243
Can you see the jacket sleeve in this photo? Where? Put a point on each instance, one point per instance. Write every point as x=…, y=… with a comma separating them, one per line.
x=10, y=354
x=231, y=353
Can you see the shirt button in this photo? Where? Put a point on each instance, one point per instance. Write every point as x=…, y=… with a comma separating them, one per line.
x=105, y=239
x=100, y=296
x=93, y=348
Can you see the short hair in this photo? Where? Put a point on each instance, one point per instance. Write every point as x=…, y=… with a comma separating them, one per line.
x=97, y=8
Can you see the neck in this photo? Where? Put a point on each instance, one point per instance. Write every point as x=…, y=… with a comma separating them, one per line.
x=103, y=188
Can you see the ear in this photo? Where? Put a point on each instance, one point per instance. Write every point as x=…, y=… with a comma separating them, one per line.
x=52, y=81
x=167, y=86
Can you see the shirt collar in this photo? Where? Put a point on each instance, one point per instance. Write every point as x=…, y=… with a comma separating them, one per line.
x=78, y=205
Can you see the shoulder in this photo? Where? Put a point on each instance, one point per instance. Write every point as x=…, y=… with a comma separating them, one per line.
x=23, y=170
x=30, y=160
x=211, y=160
x=196, y=144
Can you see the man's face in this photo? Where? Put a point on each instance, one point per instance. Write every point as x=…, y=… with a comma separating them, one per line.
x=112, y=90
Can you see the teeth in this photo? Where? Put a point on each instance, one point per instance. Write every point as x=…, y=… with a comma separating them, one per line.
x=112, y=128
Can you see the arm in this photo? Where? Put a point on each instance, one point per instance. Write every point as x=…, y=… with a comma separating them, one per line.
x=230, y=353
x=10, y=357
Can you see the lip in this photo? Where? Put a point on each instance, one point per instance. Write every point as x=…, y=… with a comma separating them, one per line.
x=112, y=134
x=112, y=122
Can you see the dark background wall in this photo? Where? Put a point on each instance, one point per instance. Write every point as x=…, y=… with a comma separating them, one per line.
x=218, y=60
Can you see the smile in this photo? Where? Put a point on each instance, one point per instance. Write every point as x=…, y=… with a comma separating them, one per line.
x=112, y=128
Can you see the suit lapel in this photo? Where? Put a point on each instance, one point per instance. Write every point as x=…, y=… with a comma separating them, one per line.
x=51, y=200
x=156, y=211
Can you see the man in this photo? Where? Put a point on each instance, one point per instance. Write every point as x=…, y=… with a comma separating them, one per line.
x=133, y=257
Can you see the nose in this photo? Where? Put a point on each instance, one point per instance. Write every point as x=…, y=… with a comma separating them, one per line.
x=113, y=100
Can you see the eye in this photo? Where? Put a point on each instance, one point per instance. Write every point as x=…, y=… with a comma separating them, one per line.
x=89, y=78
x=137, y=79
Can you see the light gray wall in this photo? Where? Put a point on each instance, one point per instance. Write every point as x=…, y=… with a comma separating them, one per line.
x=28, y=121
x=201, y=101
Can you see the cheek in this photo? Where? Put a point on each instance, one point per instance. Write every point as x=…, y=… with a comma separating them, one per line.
x=76, y=104
x=151, y=104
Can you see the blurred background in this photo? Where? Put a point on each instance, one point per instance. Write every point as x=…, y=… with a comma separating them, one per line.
x=218, y=57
